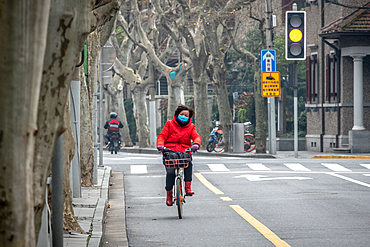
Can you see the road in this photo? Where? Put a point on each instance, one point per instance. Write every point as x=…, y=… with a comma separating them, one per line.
x=249, y=202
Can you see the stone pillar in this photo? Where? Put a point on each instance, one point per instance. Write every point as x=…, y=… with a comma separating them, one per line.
x=358, y=95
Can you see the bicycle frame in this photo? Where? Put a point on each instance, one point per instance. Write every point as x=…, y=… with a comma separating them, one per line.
x=179, y=165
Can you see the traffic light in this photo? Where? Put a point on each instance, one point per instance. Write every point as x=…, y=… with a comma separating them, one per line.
x=295, y=35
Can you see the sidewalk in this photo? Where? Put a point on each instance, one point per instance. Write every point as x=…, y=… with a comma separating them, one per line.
x=89, y=211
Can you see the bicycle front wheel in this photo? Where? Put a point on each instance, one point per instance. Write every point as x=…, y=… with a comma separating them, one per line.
x=179, y=197
x=249, y=143
x=219, y=145
x=210, y=146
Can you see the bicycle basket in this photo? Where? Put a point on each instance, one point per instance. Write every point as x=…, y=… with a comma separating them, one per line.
x=177, y=163
x=176, y=159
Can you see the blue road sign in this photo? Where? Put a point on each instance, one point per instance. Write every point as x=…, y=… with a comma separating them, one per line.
x=268, y=60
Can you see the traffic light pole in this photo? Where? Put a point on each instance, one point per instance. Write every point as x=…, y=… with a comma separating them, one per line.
x=270, y=100
x=295, y=86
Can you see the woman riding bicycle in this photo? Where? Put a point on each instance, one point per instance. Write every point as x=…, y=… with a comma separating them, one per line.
x=177, y=135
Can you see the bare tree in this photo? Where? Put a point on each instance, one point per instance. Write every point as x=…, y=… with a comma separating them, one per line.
x=198, y=23
x=69, y=24
x=184, y=24
x=115, y=91
x=132, y=64
x=258, y=99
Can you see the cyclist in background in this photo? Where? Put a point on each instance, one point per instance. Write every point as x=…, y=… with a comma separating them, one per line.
x=177, y=135
x=113, y=125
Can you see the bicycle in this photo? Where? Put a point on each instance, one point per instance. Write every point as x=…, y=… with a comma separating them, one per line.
x=249, y=141
x=179, y=164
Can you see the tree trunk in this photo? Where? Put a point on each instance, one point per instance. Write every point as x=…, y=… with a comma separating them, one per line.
x=174, y=92
x=69, y=146
x=23, y=30
x=86, y=130
x=141, y=115
x=201, y=109
x=68, y=27
x=260, y=110
x=224, y=112
x=115, y=90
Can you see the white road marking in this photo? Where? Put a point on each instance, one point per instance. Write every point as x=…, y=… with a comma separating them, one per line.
x=218, y=167
x=258, y=167
x=296, y=167
x=349, y=179
x=336, y=167
x=138, y=169
x=130, y=158
x=205, y=158
x=365, y=165
x=254, y=178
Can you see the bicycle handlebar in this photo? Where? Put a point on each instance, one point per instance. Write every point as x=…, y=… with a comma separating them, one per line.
x=167, y=149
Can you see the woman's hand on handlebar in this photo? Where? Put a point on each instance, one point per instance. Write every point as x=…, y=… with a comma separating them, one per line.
x=160, y=147
x=195, y=147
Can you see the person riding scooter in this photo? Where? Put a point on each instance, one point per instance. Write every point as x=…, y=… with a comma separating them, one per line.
x=113, y=125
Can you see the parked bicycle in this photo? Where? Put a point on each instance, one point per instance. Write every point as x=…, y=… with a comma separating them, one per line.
x=249, y=141
x=215, y=141
x=178, y=161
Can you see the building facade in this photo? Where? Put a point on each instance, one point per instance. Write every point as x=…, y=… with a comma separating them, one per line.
x=338, y=76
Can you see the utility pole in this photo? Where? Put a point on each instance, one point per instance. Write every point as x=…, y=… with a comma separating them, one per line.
x=95, y=132
x=270, y=100
x=152, y=110
x=75, y=170
x=101, y=114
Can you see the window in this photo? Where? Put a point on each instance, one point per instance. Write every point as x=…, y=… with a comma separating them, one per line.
x=312, y=79
x=333, y=88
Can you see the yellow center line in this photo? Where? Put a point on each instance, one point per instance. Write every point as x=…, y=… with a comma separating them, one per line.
x=272, y=237
x=208, y=184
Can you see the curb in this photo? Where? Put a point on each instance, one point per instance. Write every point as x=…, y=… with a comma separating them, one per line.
x=340, y=157
x=98, y=218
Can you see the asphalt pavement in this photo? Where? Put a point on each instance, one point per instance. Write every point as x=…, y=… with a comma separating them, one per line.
x=101, y=208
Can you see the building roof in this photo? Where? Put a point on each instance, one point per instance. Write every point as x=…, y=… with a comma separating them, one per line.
x=357, y=23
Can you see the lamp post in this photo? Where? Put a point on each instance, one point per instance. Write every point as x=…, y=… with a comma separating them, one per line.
x=234, y=73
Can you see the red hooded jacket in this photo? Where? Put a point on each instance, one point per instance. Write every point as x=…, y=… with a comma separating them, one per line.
x=178, y=138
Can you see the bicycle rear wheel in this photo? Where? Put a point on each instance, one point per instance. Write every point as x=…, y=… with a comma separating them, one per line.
x=179, y=197
x=249, y=143
x=219, y=145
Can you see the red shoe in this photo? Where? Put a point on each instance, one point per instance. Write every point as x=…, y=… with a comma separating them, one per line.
x=188, y=190
x=169, y=200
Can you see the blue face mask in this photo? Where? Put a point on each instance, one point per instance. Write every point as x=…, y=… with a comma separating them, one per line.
x=183, y=118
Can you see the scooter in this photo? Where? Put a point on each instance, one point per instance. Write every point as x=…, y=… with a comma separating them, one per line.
x=215, y=141
x=114, y=143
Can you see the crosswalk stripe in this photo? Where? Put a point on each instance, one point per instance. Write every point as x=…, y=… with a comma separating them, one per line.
x=296, y=167
x=258, y=167
x=365, y=165
x=138, y=169
x=336, y=167
x=218, y=167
